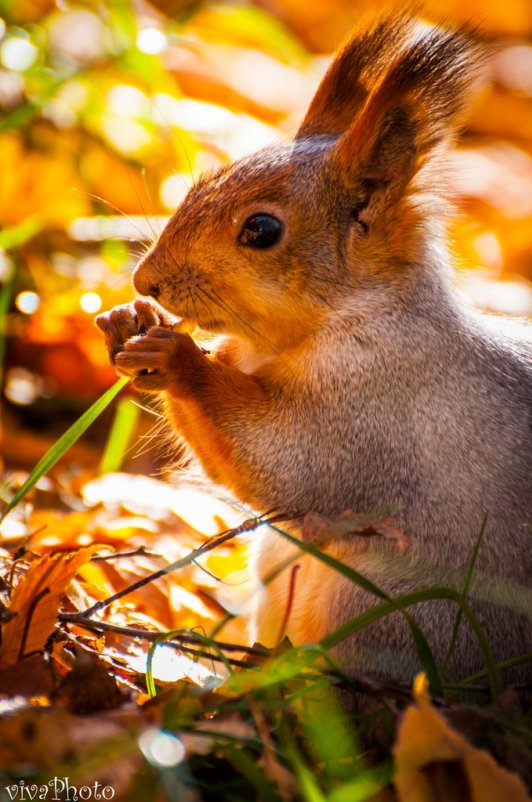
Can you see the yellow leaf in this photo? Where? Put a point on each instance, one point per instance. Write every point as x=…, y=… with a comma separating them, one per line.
x=36, y=601
x=430, y=756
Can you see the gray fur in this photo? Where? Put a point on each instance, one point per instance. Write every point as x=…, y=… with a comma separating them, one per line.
x=426, y=409
x=383, y=387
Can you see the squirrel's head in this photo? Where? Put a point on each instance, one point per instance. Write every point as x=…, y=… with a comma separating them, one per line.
x=267, y=247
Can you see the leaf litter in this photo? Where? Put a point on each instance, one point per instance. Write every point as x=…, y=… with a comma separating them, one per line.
x=75, y=700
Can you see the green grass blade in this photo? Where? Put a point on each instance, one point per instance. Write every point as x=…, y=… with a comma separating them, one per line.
x=150, y=681
x=512, y=662
x=407, y=599
x=365, y=786
x=6, y=293
x=465, y=592
x=251, y=772
x=17, y=235
x=307, y=784
x=65, y=442
x=124, y=424
x=422, y=646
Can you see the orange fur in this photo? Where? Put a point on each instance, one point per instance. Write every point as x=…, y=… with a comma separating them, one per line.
x=196, y=417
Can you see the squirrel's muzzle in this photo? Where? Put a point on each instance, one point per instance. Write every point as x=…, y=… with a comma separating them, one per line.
x=144, y=283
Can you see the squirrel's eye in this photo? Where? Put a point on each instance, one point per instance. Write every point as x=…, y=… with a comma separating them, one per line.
x=261, y=231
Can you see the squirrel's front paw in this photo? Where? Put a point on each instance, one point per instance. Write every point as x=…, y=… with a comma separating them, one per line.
x=129, y=320
x=162, y=359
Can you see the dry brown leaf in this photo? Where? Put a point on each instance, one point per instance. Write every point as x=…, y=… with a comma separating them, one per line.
x=88, y=687
x=432, y=761
x=36, y=601
x=30, y=677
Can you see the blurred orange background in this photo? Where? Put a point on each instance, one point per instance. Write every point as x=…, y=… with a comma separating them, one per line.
x=108, y=112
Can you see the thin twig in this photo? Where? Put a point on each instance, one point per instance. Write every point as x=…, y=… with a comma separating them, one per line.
x=151, y=635
x=181, y=645
x=117, y=555
x=217, y=540
x=234, y=661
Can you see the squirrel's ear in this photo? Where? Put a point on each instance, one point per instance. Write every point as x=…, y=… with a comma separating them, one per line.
x=352, y=74
x=417, y=106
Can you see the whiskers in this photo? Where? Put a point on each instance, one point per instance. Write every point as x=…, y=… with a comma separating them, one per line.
x=216, y=299
x=139, y=239
x=155, y=234
x=143, y=235
x=140, y=252
x=157, y=435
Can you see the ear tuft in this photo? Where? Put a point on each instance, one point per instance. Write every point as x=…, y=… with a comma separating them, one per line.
x=416, y=105
x=352, y=74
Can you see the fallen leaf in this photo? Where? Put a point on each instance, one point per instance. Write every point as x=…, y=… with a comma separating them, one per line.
x=432, y=761
x=88, y=687
x=30, y=677
x=36, y=601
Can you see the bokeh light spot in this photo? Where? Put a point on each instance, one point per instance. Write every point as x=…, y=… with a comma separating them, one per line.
x=90, y=302
x=173, y=190
x=22, y=387
x=126, y=100
x=151, y=41
x=126, y=136
x=27, y=302
x=161, y=748
x=489, y=249
x=18, y=54
x=514, y=68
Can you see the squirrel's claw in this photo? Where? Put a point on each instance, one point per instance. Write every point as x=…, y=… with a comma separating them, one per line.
x=161, y=359
x=129, y=320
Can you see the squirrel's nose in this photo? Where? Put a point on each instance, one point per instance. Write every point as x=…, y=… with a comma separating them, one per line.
x=142, y=281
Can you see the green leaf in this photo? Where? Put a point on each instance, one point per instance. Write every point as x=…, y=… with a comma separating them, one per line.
x=337, y=754
x=363, y=787
x=307, y=783
x=64, y=443
x=124, y=423
x=279, y=670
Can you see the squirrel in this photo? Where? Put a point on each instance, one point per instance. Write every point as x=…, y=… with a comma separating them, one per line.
x=351, y=374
